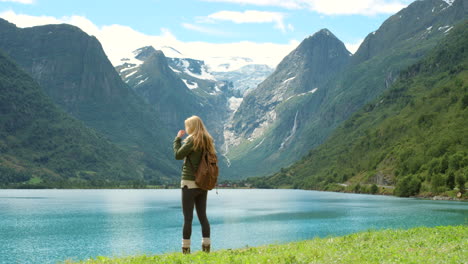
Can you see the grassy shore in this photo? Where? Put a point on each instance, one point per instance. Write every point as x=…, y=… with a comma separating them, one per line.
x=447, y=244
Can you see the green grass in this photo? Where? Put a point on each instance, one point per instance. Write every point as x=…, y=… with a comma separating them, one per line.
x=447, y=244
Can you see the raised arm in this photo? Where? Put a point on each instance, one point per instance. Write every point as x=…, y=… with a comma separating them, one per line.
x=181, y=151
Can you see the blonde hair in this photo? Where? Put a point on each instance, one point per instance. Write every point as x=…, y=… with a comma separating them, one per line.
x=201, y=137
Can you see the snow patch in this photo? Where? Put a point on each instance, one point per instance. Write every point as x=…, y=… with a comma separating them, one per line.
x=302, y=94
x=174, y=70
x=234, y=103
x=228, y=64
x=449, y=2
x=443, y=28
x=130, y=74
x=429, y=28
x=446, y=31
x=128, y=68
x=184, y=64
x=259, y=143
x=192, y=86
x=142, y=81
x=204, y=74
x=130, y=59
x=290, y=79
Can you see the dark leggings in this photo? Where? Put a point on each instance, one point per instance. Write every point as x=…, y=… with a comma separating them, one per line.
x=190, y=198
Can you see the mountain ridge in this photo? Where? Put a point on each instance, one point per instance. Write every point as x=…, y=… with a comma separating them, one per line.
x=413, y=136
x=74, y=71
x=41, y=146
x=319, y=113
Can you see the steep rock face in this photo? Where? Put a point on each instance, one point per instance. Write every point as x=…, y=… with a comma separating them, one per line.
x=177, y=89
x=306, y=68
x=158, y=85
x=268, y=120
x=41, y=146
x=70, y=66
x=313, y=116
x=402, y=40
x=429, y=16
x=413, y=136
x=74, y=71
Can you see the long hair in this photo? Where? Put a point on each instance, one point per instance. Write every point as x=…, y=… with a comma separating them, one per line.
x=201, y=137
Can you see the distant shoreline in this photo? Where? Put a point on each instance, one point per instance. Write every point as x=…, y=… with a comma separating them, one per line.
x=421, y=197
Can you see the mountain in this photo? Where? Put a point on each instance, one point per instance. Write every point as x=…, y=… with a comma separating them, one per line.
x=177, y=88
x=264, y=125
x=197, y=77
x=41, y=146
x=281, y=131
x=414, y=136
x=246, y=78
x=155, y=82
x=74, y=71
x=422, y=19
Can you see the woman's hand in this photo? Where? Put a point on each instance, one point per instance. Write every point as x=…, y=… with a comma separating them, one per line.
x=181, y=133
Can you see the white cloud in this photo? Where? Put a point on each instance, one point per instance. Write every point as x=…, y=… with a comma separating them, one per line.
x=29, y=21
x=353, y=47
x=204, y=30
x=250, y=16
x=119, y=41
x=332, y=7
x=19, y=1
x=362, y=7
x=292, y=4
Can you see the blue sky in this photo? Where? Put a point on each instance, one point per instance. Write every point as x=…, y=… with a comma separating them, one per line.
x=280, y=22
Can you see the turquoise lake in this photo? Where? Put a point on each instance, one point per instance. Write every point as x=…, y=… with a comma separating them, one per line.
x=48, y=226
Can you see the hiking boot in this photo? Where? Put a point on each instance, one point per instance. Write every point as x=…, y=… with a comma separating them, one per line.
x=186, y=250
x=206, y=248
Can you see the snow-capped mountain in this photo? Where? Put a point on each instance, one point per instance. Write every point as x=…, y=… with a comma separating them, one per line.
x=195, y=75
x=190, y=86
x=238, y=74
x=178, y=88
x=247, y=77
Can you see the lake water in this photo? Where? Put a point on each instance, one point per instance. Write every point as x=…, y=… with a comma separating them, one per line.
x=47, y=226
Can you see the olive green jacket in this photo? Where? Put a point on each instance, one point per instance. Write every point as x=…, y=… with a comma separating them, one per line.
x=182, y=151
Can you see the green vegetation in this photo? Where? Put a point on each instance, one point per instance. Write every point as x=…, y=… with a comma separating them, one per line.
x=42, y=147
x=75, y=73
x=401, y=41
x=415, y=136
x=447, y=244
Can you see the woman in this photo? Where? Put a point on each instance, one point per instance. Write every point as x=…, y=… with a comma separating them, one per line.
x=192, y=196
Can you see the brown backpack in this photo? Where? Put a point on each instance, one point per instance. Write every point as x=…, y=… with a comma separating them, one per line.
x=206, y=175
